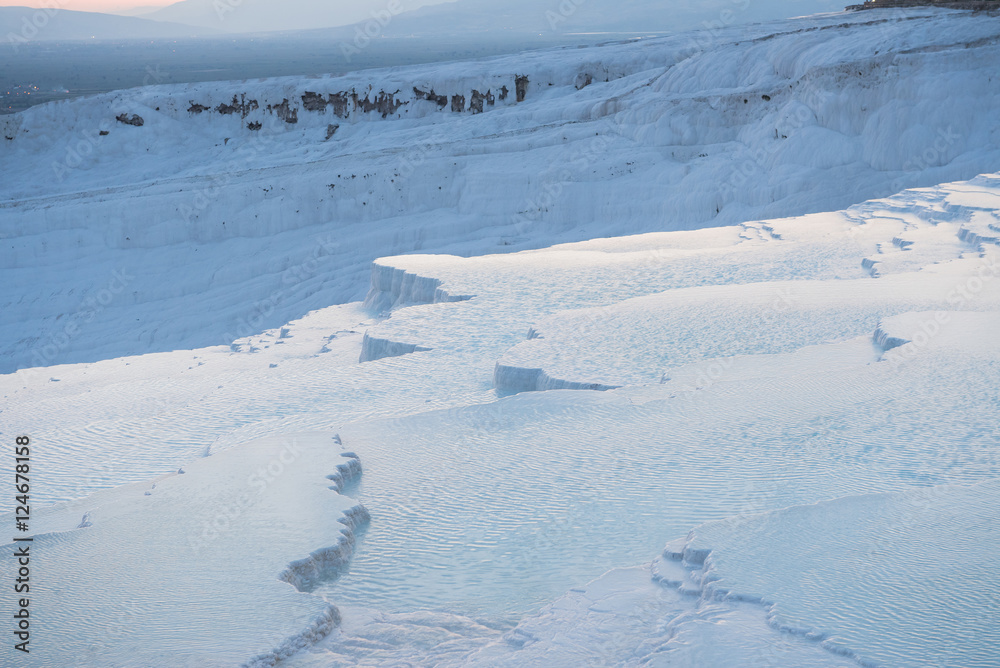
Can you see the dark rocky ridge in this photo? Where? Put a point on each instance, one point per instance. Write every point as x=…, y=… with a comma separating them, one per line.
x=439, y=100
x=238, y=106
x=134, y=120
x=974, y=5
x=344, y=103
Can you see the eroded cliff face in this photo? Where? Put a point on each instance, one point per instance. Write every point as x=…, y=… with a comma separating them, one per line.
x=285, y=111
x=439, y=100
x=521, y=87
x=476, y=106
x=354, y=103
x=134, y=120
x=240, y=106
x=276, y=104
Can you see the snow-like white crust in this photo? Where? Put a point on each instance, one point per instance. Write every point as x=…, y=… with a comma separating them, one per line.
x=196, y=229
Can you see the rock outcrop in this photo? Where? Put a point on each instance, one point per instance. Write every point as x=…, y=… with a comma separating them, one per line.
x=134, y=120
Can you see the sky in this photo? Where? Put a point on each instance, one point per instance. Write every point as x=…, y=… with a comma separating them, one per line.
x=113, y=6
x=87, y=5
x=523, y=15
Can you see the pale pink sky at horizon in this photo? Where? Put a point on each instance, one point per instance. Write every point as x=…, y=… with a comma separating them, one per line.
x=88, y=5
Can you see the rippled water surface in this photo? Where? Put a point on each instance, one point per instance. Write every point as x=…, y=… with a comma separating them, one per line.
x=491, y=511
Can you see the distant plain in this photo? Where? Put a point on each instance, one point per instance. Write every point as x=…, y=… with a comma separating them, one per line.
x=44, y=71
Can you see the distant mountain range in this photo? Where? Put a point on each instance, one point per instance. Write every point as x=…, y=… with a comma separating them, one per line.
x=19, y=25
x=399, y=18
x=532, y=16
x=411, y=17
x=240, y=16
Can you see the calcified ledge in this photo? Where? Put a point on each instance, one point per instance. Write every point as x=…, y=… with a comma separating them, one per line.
x=303, y=574
x=374, y=348
x=885, y=341
x=515, y=379
x=321, y=627
x=346, y=472
x=689, y=570
x=392, y=287
x=978, y=240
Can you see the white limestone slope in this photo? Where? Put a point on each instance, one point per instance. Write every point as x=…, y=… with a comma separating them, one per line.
x=922, y=243
x=485, y=510
x=204, y=567
x=195, y=229
x=782, y=391
x=775, y=393
x=862, y=580
x=886, y=580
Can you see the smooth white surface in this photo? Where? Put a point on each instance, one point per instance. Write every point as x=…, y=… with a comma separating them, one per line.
x=194, y=230
x=783, y=367
x=205, y=567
